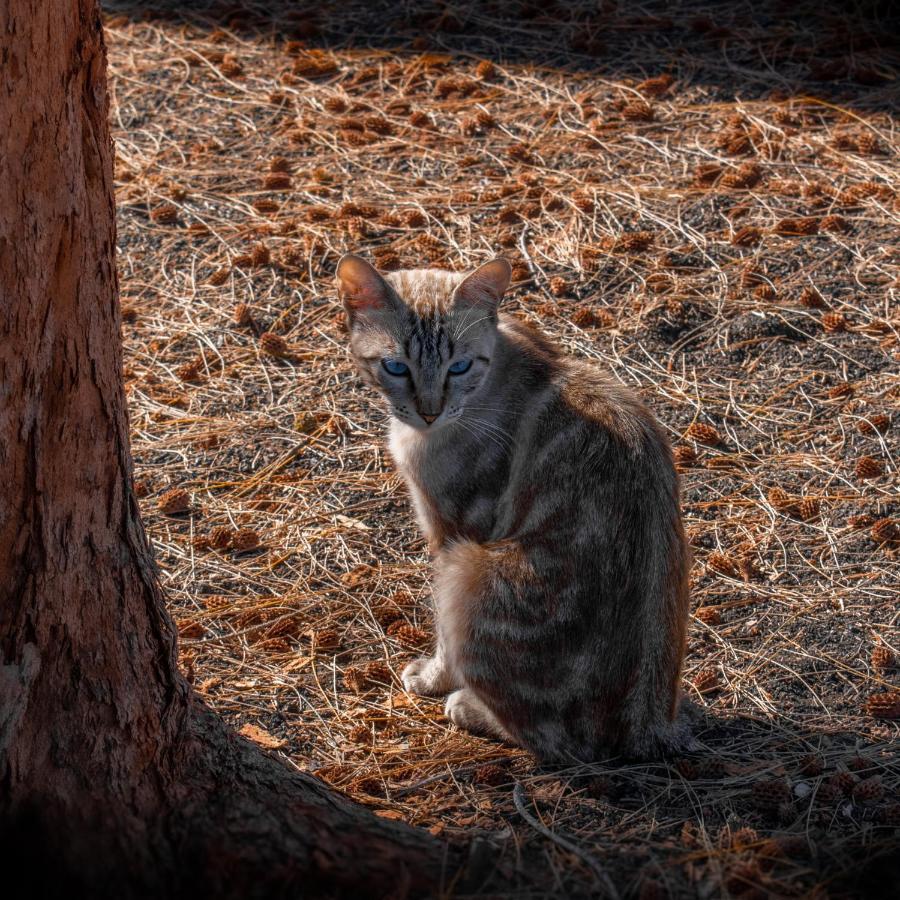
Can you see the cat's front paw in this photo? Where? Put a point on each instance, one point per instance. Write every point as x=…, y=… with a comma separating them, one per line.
x=426, y=677
x=462, y=710
x=465, y=710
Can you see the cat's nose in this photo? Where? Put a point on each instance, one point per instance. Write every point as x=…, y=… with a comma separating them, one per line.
x=428, y=419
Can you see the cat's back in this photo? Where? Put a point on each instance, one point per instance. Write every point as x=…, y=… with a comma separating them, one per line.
x=581, y=411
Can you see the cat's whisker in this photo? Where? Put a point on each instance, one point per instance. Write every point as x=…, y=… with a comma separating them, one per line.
x=472, y=426
x=498, y=436
x=459, y=334
x=493, y=426
x=465, y=319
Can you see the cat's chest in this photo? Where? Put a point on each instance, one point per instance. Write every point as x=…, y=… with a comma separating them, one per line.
x=447, y=502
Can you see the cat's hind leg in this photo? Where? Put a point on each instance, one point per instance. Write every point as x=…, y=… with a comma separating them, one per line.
x=428, y=676
x=465, y=710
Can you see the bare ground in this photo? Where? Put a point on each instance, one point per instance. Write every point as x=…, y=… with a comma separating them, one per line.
x=703, y=198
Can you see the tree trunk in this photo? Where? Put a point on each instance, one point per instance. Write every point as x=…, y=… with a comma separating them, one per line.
x=107, y=762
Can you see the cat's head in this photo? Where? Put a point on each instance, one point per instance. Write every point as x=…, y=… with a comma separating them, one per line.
x=423, y=337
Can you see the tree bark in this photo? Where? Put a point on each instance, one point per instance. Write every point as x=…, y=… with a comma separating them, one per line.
x=108, y=764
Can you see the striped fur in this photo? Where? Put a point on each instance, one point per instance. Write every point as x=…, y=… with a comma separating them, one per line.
x=549, y=497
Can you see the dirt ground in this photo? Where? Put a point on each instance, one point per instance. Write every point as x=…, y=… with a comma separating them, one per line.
x=701, y=197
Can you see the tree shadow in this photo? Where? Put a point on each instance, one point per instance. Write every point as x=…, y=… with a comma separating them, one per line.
x=846, y=54
x=784, y=805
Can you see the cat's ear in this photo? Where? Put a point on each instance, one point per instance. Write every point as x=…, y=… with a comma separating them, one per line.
x=360, y=286
x=486, y=285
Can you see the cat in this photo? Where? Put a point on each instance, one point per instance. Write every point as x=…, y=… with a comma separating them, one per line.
x=550, y=502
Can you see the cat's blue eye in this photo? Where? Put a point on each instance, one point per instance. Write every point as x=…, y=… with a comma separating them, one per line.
x=395, y=367
x=460, y=366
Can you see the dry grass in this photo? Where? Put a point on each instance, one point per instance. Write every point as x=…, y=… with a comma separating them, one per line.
x=724, y=239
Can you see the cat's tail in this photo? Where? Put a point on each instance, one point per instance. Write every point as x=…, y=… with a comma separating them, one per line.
x=678, y=735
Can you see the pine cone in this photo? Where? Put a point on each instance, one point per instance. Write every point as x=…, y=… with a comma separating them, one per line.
x=244, y=540
x=867, y=143
x=275, y=345
x=793, y=227
x=843, y=782
x=408, y=634
x=368, y=785
x=886, y=531
x=633, y=242
x=748, y=569
x=288, y=626
x=275, y=645
x=559, y=287
x=747, y=175
x=703, y=434
x=868, y=467
x=243, y=314
x=220, y=537
x=748, y=236
x=361, y=734
x=834, y=322
x=485, y=70
x=834, y=224
x=709, y=615
x=584, y=317
x=684, y=456
x=840, y=391
x=883, y=658
x=166, y=214
x=878, y=422
x=812, y=765
x=190, y=630
x=490, y=774
x=780, y=500
x=744, y=837
x=386, y=612
x=216, y=603
x=638, y=111
x=811, y=298
x=706, y=681
x=828, y=794
x=707, y=174
x=220, y=276
x=809, y=509
x=174, y=501
x=355, y=680
x=885, y=705
x=723, y=564
x=324, y=639
x=276, y=181
x=378, y=672
x=230, y=66
x=861, y=522
x=260, y=255
x=868, y=791
x=768, y=795
x=656, y=87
